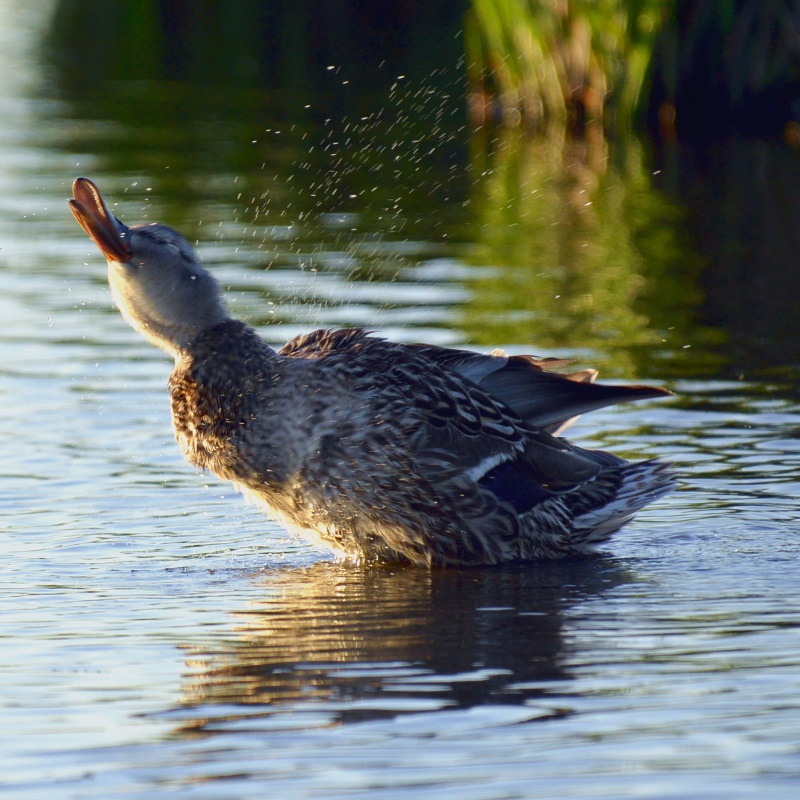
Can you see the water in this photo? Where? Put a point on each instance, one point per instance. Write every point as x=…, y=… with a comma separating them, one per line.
x=161, y=638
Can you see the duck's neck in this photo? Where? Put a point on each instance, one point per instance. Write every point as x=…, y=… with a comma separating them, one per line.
x=177, y=340
x=230, y=342
x=169, y=315
x=221, y=383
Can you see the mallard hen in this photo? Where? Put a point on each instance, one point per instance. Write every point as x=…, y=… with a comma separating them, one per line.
x=379, y=450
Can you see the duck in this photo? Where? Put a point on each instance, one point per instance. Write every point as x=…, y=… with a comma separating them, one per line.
x=379, y=451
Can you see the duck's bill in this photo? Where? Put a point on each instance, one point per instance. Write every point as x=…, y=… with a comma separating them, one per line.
x=91, y=211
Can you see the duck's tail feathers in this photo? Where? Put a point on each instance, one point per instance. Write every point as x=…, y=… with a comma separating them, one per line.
x=637, y=486
x=528, y=386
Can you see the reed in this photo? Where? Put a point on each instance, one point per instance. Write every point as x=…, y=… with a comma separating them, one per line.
x=706, y=66
x=574, y=62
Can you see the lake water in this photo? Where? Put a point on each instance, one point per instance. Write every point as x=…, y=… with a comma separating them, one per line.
x=162, y=638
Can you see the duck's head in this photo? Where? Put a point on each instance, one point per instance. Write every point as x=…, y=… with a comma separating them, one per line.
x=155, y=276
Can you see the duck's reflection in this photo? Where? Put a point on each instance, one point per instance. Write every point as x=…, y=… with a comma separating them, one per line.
x=365, y=642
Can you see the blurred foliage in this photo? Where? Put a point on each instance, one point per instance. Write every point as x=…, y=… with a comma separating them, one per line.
x=722, y=65
x=569, y=61
x=701, y=66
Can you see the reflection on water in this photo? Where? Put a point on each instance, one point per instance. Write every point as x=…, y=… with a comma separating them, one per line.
x=591, y=258
x=744, y=205
x=350, y=643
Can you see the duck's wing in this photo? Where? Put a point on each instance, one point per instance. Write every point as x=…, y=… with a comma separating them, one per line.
x=472, y=412
x=543, y=399
x=437, y=397
x=450, y=449
x=323, y=343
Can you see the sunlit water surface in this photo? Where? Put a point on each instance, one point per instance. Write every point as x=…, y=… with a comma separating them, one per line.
x=160, y=637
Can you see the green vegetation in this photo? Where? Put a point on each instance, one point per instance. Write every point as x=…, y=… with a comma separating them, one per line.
x=574, y=61
x=703, y=67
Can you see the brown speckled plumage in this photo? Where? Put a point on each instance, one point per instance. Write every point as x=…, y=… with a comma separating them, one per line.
x=378, y=450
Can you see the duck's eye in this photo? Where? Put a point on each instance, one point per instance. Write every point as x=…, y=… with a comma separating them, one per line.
x=178, y=251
